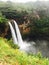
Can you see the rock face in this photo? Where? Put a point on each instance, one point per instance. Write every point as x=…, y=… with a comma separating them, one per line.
x=24, y=29
x=3, y=29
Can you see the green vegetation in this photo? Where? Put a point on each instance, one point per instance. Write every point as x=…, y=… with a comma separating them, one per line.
x=11, y=56
x=39, y=27
x=35, y=13
x=11, y=44
x=38, y=18
x=3, y=19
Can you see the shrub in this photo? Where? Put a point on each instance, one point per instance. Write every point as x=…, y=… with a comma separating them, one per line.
x=12, y=44
x=3, y=19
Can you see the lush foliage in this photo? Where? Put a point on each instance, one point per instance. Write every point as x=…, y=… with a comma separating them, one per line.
x=3, y=19
x=11, y=44
x=10, y=56
x=40, y=26
x=38, y=17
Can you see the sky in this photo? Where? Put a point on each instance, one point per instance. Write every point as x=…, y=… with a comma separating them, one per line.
x=23, y=0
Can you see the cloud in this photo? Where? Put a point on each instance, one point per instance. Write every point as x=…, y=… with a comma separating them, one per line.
x=23, y=0
x=19, y=0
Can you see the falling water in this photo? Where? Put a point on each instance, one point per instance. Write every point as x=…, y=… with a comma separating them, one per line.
x=30, y=47
x=22, y=45
x=13, y=33
x=20, y=41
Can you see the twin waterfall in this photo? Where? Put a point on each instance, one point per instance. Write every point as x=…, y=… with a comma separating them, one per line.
x=16, y=39
x=29, y=47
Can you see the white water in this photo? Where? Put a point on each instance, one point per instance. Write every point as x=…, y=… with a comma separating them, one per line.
x=20, y=41
x=31, y=47
x=23, y=45
x=13, y=33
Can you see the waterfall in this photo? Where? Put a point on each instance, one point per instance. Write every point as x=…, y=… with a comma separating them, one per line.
x=21, y=44
x=13, y=33
x=20, y=41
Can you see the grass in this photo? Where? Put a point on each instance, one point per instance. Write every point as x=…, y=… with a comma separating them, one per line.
x=11, y=56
